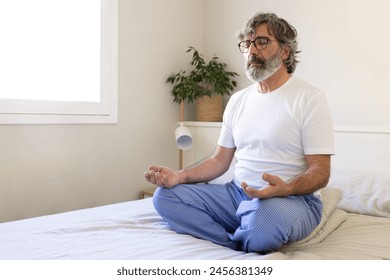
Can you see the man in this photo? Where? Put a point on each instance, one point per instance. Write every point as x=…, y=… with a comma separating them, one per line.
x=280, y=132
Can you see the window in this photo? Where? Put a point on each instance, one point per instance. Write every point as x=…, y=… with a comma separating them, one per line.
x=58, y=61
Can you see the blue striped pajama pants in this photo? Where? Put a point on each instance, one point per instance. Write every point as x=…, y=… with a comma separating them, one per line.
x=224, y=215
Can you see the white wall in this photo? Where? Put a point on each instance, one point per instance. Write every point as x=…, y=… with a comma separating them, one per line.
x=47, y=169
x=344, y=47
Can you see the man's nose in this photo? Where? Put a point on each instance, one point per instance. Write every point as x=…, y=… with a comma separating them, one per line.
x=252, y=49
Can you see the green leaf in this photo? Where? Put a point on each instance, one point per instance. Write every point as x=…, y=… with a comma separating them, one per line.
x=205, y=79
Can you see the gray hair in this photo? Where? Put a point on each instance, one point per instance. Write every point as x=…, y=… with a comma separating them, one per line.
x=285, y=34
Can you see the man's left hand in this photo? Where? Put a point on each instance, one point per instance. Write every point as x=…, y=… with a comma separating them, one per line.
x=276, y=188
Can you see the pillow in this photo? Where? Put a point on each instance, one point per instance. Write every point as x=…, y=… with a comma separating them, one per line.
x=331, y=218
x=363, y=192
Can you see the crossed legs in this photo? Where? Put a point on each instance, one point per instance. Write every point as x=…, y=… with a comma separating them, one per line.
x=224, y=215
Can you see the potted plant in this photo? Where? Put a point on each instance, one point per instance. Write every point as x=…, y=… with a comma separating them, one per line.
x=205, y=84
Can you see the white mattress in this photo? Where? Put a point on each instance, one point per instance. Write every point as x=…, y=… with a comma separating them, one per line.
x=133, y=230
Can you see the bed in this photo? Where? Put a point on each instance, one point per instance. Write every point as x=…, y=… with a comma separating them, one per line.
x=355, y=225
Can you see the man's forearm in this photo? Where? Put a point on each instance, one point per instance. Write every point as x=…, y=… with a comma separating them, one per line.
x=209, y=168
x=203, y=171
x=314, y=178
x=308, y=182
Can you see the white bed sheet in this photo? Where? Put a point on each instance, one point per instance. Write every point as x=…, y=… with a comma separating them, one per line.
x=133, y=230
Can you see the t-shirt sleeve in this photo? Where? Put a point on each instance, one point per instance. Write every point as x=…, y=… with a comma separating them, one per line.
x=226, y=138
x=317, y=127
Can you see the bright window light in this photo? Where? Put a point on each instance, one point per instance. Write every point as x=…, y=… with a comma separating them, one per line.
x=57, y=57
x=50, y=50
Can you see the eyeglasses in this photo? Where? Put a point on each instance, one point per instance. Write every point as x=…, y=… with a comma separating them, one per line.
x=260, y=44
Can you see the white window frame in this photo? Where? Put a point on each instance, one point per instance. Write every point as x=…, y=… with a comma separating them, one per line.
x=58, y=112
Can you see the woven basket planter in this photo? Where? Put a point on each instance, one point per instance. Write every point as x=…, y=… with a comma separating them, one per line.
x=209, y=109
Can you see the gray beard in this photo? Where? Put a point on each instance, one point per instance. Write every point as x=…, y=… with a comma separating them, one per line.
x=265, y=70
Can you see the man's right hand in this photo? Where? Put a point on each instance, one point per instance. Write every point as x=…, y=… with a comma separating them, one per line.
x=162, y=176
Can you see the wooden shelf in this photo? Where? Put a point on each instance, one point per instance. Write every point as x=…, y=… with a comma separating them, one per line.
x=147, y=193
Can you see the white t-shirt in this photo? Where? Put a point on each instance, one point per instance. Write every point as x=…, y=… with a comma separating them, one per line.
x=273, y=132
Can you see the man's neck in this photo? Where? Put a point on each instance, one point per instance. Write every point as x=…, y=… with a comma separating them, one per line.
x=274, y=82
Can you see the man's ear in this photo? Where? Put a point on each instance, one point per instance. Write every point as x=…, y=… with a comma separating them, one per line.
x=285, y=52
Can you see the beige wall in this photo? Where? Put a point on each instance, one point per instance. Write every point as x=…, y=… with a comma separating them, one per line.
x=47, y=169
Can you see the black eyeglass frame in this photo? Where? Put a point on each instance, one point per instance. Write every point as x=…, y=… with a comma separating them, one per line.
x=244, y=46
